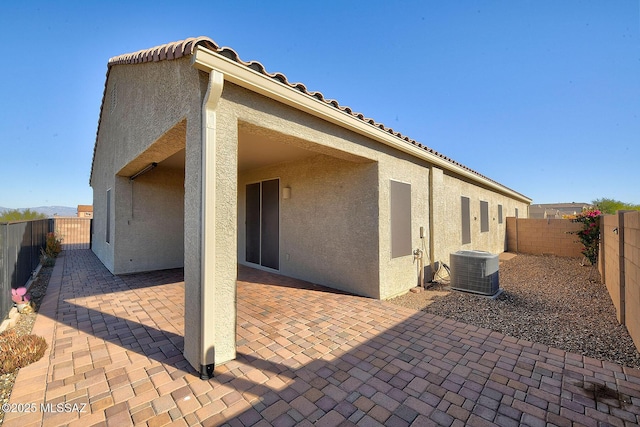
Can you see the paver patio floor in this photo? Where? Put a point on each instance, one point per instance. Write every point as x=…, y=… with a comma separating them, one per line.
x=307, y=355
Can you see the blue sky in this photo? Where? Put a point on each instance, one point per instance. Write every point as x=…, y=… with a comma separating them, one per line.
x=541, y=96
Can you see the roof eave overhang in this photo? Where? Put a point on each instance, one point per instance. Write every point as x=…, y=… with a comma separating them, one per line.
x=206, y=60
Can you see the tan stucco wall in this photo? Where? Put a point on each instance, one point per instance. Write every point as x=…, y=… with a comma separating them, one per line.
x=399, y=274
x=150, y=221
x=102, y=180
x=348, y=244
x=328, y=228
x=363, y=213
x=448, y=190
x=395, y=275
x=142, y=103
x=157, y=113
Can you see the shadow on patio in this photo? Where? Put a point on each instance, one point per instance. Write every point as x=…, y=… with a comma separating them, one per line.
x=306, y=355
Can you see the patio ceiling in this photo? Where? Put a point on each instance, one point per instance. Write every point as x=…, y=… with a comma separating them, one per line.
x=255, y=151
x=259, y=147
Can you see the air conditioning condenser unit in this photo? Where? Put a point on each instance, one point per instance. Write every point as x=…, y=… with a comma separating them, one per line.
x=475, y=271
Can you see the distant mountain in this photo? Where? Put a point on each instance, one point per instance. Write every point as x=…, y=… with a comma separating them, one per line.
x=57, y=210
x=50, y=211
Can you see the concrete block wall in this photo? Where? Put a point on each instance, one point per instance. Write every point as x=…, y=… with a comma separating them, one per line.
x=610, y=261
x=543, y=236
x=632, y=274
x=620, y=267
x=619, y=258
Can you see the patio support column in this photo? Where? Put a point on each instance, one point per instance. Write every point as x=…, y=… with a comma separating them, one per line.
x=208, y=222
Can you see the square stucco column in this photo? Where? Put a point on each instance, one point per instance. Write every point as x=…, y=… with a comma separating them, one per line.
x=210, y=239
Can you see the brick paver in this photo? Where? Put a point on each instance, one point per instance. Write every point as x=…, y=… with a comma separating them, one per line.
x=306, y=355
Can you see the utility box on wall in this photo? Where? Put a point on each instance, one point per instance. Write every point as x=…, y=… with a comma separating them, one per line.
x=475, y=271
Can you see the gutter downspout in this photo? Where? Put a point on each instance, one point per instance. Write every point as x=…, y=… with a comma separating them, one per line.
x=432, y=245
x=208, y=224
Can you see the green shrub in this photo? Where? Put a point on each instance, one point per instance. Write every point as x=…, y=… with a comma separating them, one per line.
x=17, y=215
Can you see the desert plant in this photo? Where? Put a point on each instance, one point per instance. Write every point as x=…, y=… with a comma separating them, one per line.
x=53, y=246
x=22, y=300
x=589, y=235
x=45, y=260
x=51, y=250
x=18, y=351
x=20, y=295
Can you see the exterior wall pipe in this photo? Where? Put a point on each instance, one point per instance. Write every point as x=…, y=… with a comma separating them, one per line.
x=208, y=216
x=432, y=245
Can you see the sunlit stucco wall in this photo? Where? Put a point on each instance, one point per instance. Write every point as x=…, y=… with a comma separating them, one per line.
x=335, y=229
x=448, y=190
x=144, y=105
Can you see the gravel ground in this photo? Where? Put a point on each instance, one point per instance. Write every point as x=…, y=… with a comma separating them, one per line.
x=546, y=299
x=23, y=326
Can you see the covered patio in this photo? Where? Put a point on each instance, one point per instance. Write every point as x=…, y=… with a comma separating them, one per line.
x=306, y=355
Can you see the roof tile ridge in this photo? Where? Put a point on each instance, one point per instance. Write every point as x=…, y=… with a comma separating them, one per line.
x=185, y=47
x=173, y=50
x=258, y=67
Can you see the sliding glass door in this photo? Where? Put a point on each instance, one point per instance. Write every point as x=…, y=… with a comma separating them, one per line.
x=263, y=223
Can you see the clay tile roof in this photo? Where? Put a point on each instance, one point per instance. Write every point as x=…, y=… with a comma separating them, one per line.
x=167, y=51
x=187, y=47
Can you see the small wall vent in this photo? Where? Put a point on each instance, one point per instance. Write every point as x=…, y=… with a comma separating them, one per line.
x=475, y=271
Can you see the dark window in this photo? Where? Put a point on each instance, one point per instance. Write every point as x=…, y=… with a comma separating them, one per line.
x=400, y=219
x=108, y=231
x=466, y=220
x=484, y=216
x=499, y=214
x=516, y=212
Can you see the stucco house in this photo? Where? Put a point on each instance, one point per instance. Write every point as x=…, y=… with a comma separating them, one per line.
x=204, y=161
x=85, y=211
x=556, y=210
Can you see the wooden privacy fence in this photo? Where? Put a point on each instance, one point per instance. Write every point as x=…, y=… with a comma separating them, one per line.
x=619, y=265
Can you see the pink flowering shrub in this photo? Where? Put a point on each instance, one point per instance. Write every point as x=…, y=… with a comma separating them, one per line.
x=589, y=235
